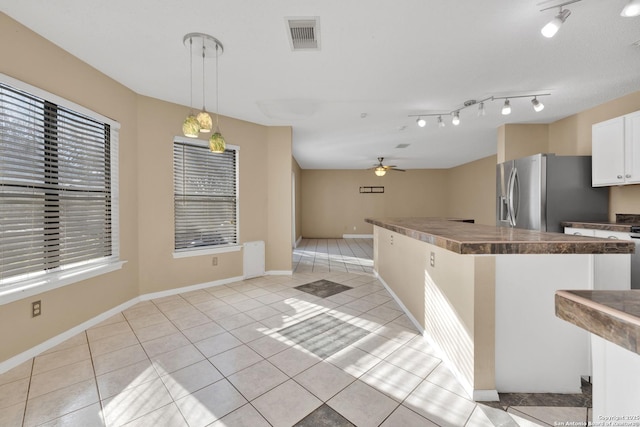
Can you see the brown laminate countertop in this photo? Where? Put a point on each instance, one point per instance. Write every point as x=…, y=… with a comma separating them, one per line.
x=612, y=315
x=607, y=226
x=476, y=239
x=623, y=223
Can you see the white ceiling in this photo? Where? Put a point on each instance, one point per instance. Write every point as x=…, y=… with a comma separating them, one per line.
x=386, y=59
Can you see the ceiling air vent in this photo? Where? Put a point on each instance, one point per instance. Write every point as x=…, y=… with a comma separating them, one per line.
x=304, y=33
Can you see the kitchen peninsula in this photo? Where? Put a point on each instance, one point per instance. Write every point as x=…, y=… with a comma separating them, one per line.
x=485, y=296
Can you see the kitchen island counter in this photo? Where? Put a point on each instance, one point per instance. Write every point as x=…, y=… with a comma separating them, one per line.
x=484, y=295
x=476, y=239
x=613, y=319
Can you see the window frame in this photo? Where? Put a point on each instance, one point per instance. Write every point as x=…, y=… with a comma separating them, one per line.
x=65, y=275
x=214, y=249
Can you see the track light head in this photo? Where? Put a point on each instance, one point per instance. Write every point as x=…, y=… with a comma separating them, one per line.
x=506, y=108
x=537, y=105
x=481, y=110
x=456, y=118
x=631, y=9
x=554, y=25
x=421, y=122
x=441, y=124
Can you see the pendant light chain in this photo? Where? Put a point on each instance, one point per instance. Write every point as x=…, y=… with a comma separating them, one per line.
x=191, y=73
x=217, y=93
x=203, y=99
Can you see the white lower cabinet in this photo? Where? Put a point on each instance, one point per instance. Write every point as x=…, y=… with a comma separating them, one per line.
x=610, y=272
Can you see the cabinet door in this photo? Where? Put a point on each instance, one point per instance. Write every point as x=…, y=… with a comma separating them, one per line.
x=632, y=148
x=612, y=271
x=607, y=149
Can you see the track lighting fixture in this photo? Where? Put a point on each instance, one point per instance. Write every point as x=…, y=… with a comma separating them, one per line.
x=631, y=9
x=456, y=118
x=537, y=105
x=421, y=122
x=506, y=108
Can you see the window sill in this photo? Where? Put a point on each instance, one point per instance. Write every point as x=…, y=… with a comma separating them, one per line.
x=186, y=253
x=57, y=280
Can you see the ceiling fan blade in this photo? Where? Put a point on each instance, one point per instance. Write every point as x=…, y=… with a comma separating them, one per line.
x=399, y=170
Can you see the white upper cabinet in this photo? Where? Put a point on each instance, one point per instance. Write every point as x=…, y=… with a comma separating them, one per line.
x=616, y=151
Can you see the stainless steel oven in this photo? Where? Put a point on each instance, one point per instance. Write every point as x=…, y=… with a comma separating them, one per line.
x=635, y=258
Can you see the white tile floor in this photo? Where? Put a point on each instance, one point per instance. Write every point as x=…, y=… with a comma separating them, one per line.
x=214, y=357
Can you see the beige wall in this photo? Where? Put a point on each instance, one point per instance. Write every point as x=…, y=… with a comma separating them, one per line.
x=453, y=300
x=297, y=173
x=148, y=127
x=33, y=60
x=333, y=206
x=279, y=209
x=472, y=191
x=522, y=140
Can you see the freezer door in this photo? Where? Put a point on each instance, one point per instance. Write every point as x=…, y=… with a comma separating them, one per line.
x=529, y=194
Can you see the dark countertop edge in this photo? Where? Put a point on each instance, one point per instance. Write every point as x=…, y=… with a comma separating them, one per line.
x=609, y=323
x=606, y=226
x=506, y=247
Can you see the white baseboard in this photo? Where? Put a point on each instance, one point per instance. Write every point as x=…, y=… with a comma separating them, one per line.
x=478, y=395
x=279, y=273
x=357, y=236
x=60, y=338
x=297, y=242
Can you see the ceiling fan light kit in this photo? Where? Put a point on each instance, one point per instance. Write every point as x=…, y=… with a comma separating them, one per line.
x=381, y=170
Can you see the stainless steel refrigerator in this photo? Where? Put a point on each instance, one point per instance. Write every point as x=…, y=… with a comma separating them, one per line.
x=538, y=192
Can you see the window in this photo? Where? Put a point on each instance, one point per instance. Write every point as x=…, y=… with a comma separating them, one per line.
x=58, y=169
x=205, y=196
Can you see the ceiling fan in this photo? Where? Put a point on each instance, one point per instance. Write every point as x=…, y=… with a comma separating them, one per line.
x=381, y=169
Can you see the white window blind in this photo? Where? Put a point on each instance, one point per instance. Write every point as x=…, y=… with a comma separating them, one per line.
x=205, y=196
x=56, y=198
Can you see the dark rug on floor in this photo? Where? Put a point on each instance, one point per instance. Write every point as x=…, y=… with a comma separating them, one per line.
x=323, y=288
x=324, y=416
x=323, y=335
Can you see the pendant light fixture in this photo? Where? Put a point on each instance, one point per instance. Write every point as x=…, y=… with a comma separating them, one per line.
x=190, y=126
x=207, y=46
x=421, y=122
x=216, y=142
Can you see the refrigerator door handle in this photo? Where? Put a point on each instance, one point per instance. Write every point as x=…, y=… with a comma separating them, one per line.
x=513, y=204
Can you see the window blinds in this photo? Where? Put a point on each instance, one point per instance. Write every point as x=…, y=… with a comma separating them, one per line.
x=55, y=187
x=205, y=196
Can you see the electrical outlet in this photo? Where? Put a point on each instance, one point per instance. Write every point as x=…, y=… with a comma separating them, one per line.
x=432, y=259
x=214, y=261
x=36, y=308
